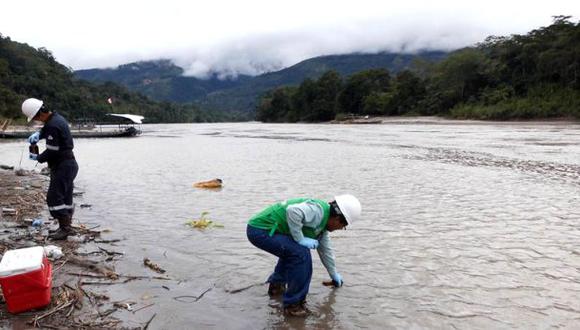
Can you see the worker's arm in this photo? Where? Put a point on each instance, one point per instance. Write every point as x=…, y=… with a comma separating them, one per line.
x=306, y=214
x=52, y=136
x=326, y=253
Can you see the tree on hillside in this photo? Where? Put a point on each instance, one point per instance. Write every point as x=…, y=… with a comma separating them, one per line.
x=276, y=105
x=402, y=97
x=324, y=105
x=457, y=79
x=545, y=55
x=302, y=101
x=360, y=85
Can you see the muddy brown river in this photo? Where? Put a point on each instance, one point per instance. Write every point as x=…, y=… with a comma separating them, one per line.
x=466, y=225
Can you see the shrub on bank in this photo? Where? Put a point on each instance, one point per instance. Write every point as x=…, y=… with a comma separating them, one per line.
x=540, y=102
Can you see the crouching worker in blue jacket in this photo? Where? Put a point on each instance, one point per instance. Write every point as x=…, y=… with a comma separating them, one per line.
x=289, y=230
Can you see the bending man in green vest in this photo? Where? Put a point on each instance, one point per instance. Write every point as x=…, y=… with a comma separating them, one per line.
x=289, y=230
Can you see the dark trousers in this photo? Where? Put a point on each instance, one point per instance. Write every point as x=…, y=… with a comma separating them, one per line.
x=294, y=265
x=60, y=191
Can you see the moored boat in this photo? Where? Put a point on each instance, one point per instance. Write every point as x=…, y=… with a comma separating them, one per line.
x=129, y=127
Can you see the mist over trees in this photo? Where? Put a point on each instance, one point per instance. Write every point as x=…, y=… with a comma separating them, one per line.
x=536, y=75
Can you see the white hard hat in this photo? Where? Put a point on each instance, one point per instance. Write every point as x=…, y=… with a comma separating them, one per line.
x=30, y=107
x=349, y=206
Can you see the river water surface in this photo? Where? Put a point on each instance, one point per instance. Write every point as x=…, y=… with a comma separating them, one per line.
x=465, y=225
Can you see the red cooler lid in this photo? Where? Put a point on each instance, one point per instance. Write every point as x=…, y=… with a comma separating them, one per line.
x=21, y=261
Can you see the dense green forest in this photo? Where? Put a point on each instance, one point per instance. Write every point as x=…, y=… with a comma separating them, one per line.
x=530, y=76
x=28, y=72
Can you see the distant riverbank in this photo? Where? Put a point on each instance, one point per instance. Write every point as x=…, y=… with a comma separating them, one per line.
x=435, y=120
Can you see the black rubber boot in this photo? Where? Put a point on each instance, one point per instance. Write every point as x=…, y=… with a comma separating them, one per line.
x=276, y=289
x=72, y=212
x=53, y=230
x=64, y=229
x=297, y=310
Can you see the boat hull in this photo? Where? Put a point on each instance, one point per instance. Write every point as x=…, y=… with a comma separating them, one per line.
x=129, y=132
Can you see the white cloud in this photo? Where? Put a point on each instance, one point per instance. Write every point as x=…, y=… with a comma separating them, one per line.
x=253, y=36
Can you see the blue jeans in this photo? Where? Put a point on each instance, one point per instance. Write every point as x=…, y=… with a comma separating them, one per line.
x=294, y=264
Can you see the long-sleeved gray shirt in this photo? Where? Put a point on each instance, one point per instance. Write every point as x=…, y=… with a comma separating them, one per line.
x=309, y=214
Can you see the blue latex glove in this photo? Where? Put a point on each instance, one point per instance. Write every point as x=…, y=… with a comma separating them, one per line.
x=34, y=138
x=32, y=156
x=308, y=243
x=337, y=279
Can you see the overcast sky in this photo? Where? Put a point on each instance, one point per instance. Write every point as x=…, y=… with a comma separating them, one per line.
x=253, y=36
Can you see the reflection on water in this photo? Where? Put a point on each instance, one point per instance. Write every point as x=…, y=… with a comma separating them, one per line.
x=465, y=226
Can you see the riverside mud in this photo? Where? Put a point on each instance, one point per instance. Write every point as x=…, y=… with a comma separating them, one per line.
x=74, y=303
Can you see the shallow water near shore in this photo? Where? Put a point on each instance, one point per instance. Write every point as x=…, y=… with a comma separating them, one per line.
x=471, y=225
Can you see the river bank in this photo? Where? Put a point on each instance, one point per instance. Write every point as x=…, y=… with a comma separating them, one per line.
x=86, y=265
x=436, y=120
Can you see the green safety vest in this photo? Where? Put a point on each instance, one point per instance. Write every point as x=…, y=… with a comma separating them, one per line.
x=273, y=218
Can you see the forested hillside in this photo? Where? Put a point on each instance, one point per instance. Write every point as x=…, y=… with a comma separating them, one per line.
x=28, y=72
x=246, y=95
x=162, y=80
x=536, y=75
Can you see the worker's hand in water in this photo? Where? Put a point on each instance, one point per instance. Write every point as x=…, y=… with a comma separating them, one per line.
x=333, y=283
x=32, y=156
x=34, y=138
x=336, y=280
x=308, y=243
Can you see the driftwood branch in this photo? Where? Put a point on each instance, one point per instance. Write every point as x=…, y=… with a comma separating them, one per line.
x=138, y=309
x=196, y=298
x=130, y=277
x=111, y=253
x=149, y=322
x=56, y=309
x=244, y=288
x=107, y=241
